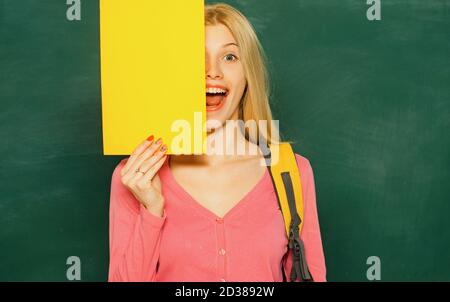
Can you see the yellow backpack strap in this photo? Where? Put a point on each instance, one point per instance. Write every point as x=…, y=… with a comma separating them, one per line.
x=286, y=179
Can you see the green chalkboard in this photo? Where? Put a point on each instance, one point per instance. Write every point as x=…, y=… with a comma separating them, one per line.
x=367, y=102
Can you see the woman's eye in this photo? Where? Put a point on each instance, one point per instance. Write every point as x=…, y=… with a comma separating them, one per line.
x=230, y=57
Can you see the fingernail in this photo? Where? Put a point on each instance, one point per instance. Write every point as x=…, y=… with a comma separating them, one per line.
x=159, y=141
x=150, y=138
x=164, y=148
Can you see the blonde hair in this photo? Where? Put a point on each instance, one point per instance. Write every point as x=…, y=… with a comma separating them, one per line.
x=254, y=104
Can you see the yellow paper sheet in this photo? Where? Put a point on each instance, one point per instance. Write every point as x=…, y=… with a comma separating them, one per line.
x=152, y=74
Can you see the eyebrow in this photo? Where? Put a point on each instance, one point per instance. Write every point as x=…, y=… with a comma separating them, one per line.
x=228, y=44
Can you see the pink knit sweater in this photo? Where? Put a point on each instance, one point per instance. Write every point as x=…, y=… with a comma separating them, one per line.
x=191, y=243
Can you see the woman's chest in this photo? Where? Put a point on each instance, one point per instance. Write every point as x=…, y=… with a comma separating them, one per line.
x=251, y=236
x=222, y=191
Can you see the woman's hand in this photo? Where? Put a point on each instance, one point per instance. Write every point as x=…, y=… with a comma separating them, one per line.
x=145, y=185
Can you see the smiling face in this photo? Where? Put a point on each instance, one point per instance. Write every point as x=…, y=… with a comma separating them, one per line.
x=225, y=78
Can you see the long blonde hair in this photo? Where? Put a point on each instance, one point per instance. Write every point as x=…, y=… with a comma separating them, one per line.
x=254, y=104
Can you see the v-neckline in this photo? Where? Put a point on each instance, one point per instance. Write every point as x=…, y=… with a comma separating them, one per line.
x=205, y=211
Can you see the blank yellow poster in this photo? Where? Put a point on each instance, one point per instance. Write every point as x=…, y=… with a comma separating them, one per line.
x=152, y=74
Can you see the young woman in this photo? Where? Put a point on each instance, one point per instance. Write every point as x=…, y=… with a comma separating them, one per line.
x=211, y=217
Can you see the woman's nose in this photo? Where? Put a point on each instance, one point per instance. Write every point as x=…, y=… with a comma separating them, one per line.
x=213, y=71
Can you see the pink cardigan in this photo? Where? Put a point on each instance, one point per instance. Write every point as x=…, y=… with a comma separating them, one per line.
x=191, y=243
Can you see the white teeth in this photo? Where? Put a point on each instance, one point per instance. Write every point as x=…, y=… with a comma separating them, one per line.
x=215, y=90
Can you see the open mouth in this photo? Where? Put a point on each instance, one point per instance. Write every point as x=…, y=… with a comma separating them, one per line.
x=215, y=98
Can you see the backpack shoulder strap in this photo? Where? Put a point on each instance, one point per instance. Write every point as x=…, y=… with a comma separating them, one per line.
x=284, y=172
x=286, y=179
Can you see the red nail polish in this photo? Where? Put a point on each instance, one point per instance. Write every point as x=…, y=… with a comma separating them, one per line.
x=150, y=138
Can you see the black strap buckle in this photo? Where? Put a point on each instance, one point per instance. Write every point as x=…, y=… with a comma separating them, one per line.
x=299, y=265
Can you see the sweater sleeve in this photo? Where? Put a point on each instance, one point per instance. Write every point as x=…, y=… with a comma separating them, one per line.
x=310, y=233
x=134, y=235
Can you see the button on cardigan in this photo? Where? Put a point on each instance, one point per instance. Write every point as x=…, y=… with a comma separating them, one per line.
x=191, y=243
